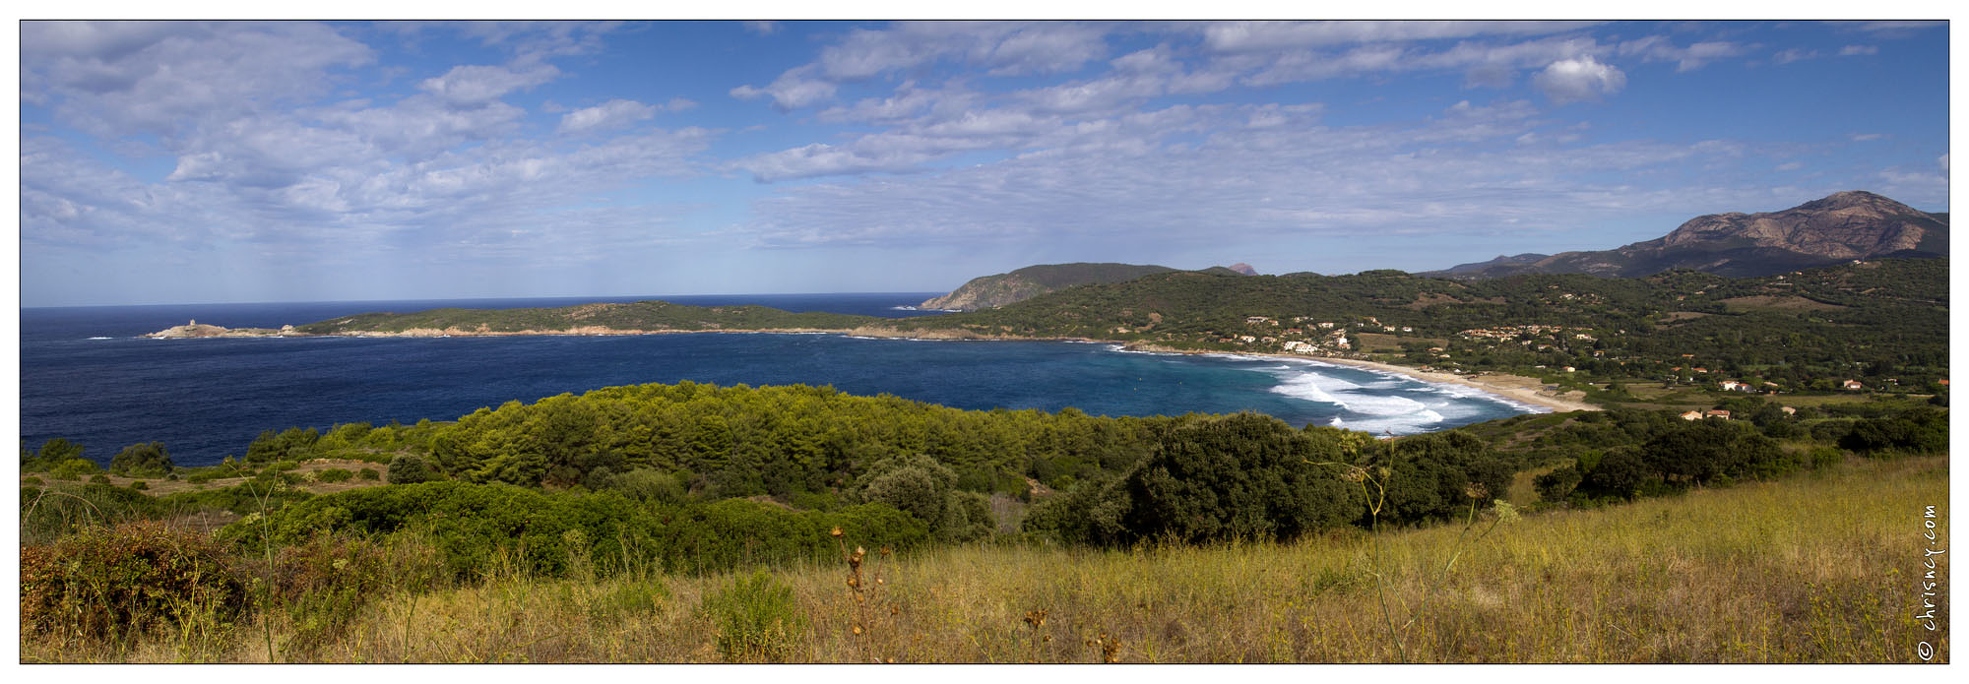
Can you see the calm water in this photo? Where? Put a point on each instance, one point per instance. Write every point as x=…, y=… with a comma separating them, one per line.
x=87, y=376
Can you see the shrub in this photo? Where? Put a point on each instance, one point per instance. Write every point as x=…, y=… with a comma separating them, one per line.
x=98, y=479
x=1918, y=431
x=322, y=584
x=140, y=485
x=52, y=453
x=408, y=469
x=1555, y=486
x=368, y=474
x=756, y=618
x=292, y=444
x=1620, y=472
x=333, y=475
x=1090, y=513
x=132, y=578
x=1831, y=430
x=646, y=485
x=47, y=514
x=1245, y=476
x=1438, y=476
x=142, y=460
x=73, y=469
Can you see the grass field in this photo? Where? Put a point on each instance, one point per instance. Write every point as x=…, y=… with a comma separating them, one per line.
x=1818, y=568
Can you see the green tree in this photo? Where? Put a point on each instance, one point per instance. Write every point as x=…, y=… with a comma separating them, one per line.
x=148, y=459
x=52, y=453
x=1245, y=476
x=408, y=469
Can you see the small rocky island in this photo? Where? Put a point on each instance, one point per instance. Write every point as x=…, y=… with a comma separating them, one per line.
x=193, y=330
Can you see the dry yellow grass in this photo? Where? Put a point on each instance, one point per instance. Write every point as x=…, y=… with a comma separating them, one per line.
x=1814, y=569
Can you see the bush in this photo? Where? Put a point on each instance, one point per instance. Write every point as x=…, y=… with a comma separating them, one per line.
x=333, y=475
x=1090, y=513
x=1439, y=476
x=1557, y=485
x=73, y=469
x=1916, y=431
x=1831, y=430
x=1620, y=472
x=1245, y=476
x=757, y=620
x=129, y=579
x=140, y=485
x=292, y=444
x=407, y=469
x=142, y=460
x=369, y=474
x=646, y=485
x=52, y=453
x=98, y=479
x=323, y=583
x=47, y=514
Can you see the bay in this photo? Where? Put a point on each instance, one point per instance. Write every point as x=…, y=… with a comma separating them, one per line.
x=87, y=376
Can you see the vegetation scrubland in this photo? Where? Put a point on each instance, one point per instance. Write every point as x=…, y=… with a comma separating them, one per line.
x=1820, y=568
x=699, y=523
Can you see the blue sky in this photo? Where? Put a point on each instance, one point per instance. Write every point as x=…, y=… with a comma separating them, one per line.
x=191, y=162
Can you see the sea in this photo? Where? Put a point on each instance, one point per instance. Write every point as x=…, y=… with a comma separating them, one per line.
x=89, y=376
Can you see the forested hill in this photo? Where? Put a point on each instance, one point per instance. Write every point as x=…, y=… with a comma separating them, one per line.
x=1882, y=323
x=1874, y=321
x=992, y=291
x=635, y=317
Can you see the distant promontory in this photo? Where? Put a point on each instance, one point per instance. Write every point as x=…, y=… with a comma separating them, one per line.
x=993, y=291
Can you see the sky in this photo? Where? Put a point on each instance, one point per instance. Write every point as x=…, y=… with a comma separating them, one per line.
x=192, y=162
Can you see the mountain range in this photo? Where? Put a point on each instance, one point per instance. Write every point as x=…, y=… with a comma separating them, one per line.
x=1841, y=227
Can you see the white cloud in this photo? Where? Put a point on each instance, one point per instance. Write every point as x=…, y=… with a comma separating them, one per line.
x=1259, y=175
x=1852, y=50
x=1791, y=166
x=1793, y=55
x=1579, y=79
x=1243, y=36
x=1662, y=49
x=792, y=90
x=117, y=79
x=764, y=28
x=608, y=115
x=1866, y=137
x=1003, y=48
x=477, y=85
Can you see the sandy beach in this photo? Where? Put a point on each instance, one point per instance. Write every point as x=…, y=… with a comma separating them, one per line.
x=1516, y=387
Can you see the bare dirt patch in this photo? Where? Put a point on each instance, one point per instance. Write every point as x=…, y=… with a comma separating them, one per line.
x=308, y=470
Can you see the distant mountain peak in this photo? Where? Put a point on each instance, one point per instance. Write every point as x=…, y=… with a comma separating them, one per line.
x=1854, y=224
x=1244, y=268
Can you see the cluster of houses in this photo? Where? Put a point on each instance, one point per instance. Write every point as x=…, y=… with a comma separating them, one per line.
x=1312, y=337
x=1725, y=415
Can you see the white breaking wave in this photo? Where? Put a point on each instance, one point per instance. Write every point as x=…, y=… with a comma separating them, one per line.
x=102, y=338
x=1369, y=407
x=1306, y=386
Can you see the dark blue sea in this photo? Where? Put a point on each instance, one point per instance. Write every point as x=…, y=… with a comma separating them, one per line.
x=86, y=375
